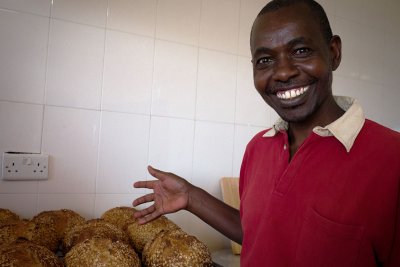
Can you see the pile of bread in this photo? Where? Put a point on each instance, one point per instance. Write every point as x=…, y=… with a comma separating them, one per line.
x=64, y=238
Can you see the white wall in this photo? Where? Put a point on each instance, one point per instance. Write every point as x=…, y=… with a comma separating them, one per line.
x=108, y=87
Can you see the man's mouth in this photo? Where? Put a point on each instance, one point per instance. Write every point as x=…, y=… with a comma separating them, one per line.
x=292, y=93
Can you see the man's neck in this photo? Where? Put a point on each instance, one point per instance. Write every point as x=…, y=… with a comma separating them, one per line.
x=299, y=131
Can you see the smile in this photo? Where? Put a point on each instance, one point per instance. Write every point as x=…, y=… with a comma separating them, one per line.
x=292, y=93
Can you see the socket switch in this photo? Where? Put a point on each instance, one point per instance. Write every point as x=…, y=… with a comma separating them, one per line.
x=25, y=166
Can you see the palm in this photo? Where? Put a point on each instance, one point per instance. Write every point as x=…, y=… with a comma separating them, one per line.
x=170, y=194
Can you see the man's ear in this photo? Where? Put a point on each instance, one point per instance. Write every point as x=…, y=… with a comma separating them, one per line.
x=336, y=51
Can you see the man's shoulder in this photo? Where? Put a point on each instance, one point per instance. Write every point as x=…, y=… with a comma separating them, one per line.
x=379, y=137
x=379, y=131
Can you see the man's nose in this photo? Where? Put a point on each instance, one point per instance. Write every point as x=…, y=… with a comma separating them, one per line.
x=284, y=70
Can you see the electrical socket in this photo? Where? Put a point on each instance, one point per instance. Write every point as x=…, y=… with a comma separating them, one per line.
x=25, y=166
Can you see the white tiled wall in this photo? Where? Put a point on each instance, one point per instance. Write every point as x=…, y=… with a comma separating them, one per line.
x=107, y=87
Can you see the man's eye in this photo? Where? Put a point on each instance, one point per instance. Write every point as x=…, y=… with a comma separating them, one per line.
x=302, y=51
x=264, y=60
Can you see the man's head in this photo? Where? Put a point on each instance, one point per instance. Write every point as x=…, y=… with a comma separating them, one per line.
x=293, y=55
x=315, y=8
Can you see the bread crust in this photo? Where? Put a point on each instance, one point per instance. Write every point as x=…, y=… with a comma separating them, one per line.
x=102, y=252
x=175, y=248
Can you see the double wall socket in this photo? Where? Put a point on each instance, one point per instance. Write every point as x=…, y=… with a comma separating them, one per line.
x=25, y=166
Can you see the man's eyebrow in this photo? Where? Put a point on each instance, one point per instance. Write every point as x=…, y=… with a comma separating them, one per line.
x=291, y=43
x=262, y=50
x=296, y=41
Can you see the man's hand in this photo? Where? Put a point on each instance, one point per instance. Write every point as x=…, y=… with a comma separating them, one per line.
x=170, y=194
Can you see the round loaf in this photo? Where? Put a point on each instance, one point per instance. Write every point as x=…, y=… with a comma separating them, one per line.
x=7, y=216
x=140, y=234
x=176, y=248
x=102, y=252
x=119, y=216
x=27, y=254
x=51, y=226
x=23, y=229
x=96, y=228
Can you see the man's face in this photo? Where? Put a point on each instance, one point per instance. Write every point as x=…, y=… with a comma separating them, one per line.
x=292, y=62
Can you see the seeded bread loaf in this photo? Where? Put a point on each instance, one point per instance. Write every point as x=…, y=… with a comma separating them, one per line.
x=102, y=252
x=96, y=228
x=141, y=234
x=175, y=248
x=7, y=216
x=23, y=253
x=119, y=216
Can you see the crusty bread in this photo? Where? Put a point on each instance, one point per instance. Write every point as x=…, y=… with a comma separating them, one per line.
x=141, y=234
x=119, y=216
x=23, y=229
x=7, y=216
x=23, y=253
x=175, y=248
x=95, y=228
x=52, y=225
x=63, y=220
x=102, y=252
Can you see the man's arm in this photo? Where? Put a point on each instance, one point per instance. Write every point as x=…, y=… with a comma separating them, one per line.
x=172, y=193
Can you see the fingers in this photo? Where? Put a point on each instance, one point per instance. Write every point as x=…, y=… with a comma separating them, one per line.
x=143, y=199
x=160, y=175
x=144, y=184
x=148, y=218
x=147, y=215
x=144, y=212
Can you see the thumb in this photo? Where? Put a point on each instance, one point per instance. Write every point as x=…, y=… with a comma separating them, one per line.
x=160, y=175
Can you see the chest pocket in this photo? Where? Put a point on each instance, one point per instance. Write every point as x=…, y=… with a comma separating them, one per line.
x=325, y=243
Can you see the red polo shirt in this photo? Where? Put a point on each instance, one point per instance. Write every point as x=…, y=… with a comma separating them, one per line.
x=336, y=203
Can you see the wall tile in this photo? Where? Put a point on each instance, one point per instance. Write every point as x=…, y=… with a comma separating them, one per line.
x=134, y=16
x=93, y=12
x=349, y=32
x=216, y=86
x=250, y=107
x=39, y=7
x=175, y=76
x=217, y=33
x=123, y=152
x=213, y=152
x=20, y=132
x=21, y=127
x=24, y=205
x=71, y=138
x=329, y=7
x=178, y=20
x=105, y=202
x=23, y=56
x=171, y=145
x=249, y=10
x=128, y=73
x=75, y=65
x=371, y=41
x=83, y=204
x=243, y=135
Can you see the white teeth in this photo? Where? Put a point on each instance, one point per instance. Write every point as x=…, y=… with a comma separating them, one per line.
x=289, y=94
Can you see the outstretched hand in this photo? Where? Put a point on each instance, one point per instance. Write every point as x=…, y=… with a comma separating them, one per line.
x=170, y=194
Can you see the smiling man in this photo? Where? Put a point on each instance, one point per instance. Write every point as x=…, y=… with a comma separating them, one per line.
x=321, y=187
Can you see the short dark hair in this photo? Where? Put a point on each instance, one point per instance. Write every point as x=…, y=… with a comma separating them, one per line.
x=316, y=9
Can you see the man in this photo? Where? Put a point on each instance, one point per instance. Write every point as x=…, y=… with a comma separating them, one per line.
x=322, y=186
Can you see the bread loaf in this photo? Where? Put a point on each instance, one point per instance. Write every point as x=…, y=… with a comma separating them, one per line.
x=119, y=216
x=175, y=248
x=96, y=228
x=102, y=252
x=23, y=253
x=141, y=234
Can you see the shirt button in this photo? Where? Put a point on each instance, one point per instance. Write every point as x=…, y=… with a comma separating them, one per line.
x=284, y=146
